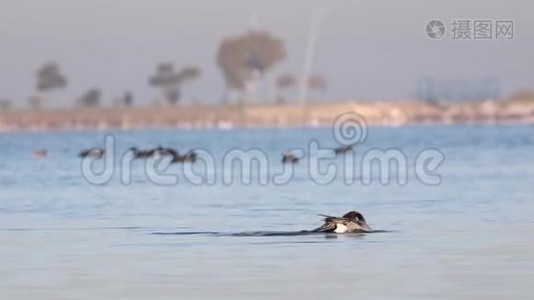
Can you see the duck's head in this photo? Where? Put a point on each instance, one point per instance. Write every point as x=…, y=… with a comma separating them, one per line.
x=358, y=219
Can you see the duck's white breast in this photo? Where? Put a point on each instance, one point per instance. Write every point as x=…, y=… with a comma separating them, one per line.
x=340, y=228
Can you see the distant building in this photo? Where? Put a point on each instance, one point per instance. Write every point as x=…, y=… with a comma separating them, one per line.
x=457, y=90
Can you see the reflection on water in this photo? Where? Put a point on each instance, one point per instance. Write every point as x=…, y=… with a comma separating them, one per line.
x=468, y=238
x=266, y=233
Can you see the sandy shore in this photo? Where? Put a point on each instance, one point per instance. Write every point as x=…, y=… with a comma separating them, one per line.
x=397, y=113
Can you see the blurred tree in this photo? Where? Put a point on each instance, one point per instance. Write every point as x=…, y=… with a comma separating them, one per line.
x=128, y=99
x=5, y=105
x=170, y=81
x=35, y=102
x=124, y=100
x=243, y=60
x=290, y=81
x=49, y=78
x=90, y=99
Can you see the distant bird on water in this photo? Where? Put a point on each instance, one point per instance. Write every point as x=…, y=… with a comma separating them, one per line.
x=93, y=152
x=190, y=156
x=289, y=158
x=137, y=153
x=343, y=149
x=165, y=151
x=38, y=154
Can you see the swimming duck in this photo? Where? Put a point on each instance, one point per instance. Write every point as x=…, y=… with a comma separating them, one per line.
x=343, y=149
x=163, y=151
x=351, y=222
x=143, y=153
x=38, y=154
x=288, y=157
x=93, y=152
x=190, y=156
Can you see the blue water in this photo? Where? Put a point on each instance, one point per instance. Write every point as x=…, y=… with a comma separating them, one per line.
x=468, y=237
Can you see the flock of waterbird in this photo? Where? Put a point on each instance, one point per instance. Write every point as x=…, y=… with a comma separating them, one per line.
x=191, y=155
x=351, y=222
x=176, y=157
x=137, y=153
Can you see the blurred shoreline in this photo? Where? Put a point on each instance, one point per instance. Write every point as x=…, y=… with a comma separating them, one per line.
x=394, y=113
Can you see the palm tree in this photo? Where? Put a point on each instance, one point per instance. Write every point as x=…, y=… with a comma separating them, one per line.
x=90, y=98
x=170, y=81
x=49, y=78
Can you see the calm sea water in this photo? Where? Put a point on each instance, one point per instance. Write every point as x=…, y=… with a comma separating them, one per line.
x=470, y=237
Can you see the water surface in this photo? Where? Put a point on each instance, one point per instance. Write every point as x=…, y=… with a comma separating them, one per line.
x=469, y=237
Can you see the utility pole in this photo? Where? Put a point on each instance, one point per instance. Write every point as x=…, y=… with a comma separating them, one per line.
x=316, y=18
x=254, y=21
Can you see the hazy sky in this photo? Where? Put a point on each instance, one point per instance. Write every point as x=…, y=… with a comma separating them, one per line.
x=374, y=49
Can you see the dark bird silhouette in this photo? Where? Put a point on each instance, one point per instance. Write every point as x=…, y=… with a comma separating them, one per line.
x=164, y=151
x=190, y=156
x=288, y=157
x=343, y=149
x=143, y=153
x=93, y=152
